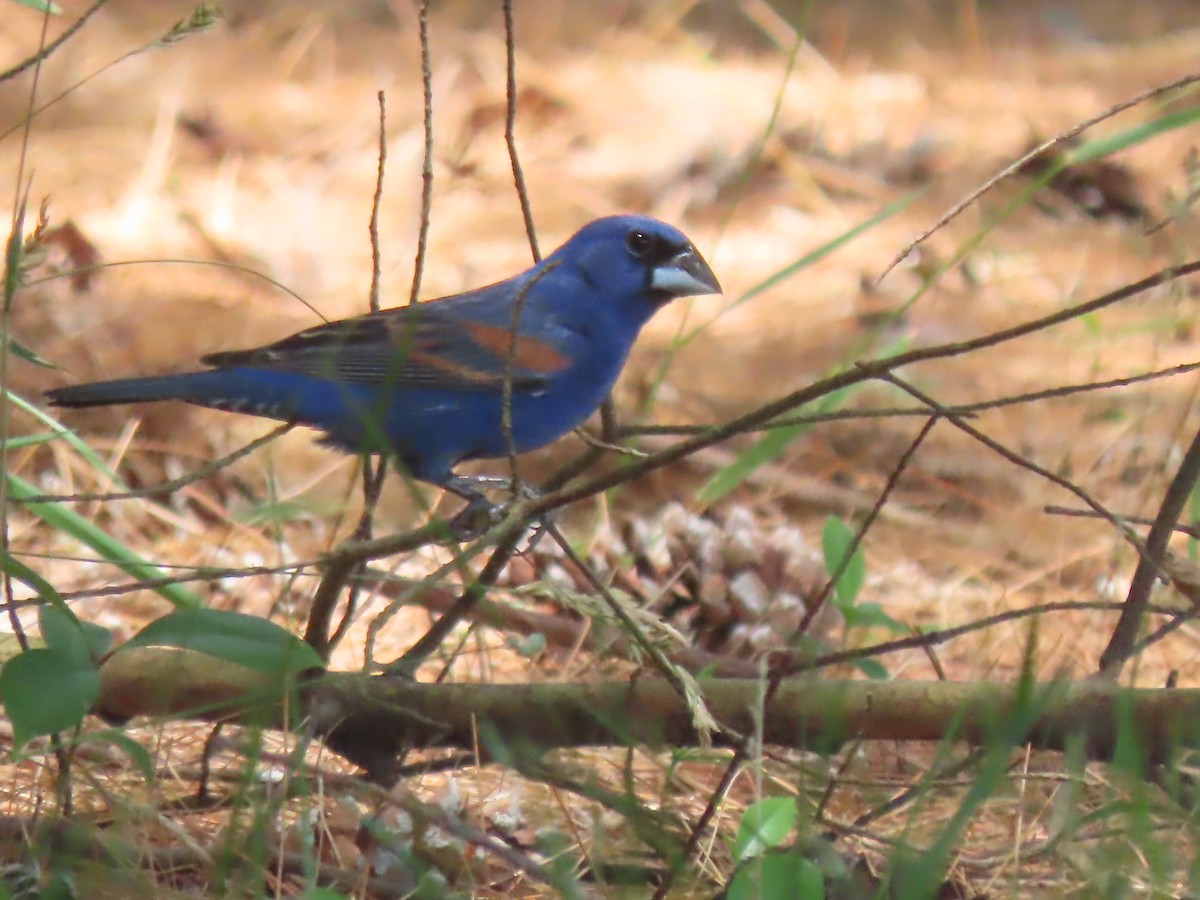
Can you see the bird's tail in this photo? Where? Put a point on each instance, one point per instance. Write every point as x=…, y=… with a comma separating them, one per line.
x=286, y=396
x=191, y=387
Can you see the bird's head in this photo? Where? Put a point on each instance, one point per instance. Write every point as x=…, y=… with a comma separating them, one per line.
x=637, y=259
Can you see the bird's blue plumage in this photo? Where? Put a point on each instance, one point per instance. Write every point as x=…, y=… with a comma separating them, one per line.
x=426, y=382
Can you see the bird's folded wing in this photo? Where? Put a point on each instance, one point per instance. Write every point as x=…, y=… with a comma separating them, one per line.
x=428, y=345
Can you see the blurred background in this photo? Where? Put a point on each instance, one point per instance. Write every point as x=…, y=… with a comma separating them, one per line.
x=210, y=187
x=763, y=130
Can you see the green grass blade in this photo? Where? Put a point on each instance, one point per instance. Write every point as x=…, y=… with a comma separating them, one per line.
x=765, y=450
x=824, y=250
x=76, y=443
x=69, y=522
x=1130, y=137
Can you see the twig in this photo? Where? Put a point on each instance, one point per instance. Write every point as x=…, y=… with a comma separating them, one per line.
x=1150, y=555
x=198, y=573
x=866, y=371
x=965, y=409
x=923, y=784
x=341, y=566
x=704, y=720
x=942, y=635
x=373, y=227
x=165, y=487
x=202, y=17
x=456, y=565
x=563, y=631
x=214, y=263
x=608, y=421
x=427, y=156
x=1161, y=632
x=46, y=49
x=1014, y=167
x=593, y=441
x=12, y=282
x=559, y=630
x=439, y=630
x=374, y=471
x=710, y=809
x=779, y=669
x=1150, y=562
x=510, y=127
x=506, y=384
x=1192, y=531
x=1010, y=455
x=860, y=533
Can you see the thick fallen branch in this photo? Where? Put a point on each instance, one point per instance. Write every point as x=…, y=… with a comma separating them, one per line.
x=369, y=720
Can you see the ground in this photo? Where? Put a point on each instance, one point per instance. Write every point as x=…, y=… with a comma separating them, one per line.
x=254, y=145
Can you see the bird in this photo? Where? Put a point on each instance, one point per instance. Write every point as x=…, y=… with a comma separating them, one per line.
x=427, y=383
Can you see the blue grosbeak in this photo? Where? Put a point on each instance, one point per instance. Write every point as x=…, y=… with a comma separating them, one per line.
x=426, y=382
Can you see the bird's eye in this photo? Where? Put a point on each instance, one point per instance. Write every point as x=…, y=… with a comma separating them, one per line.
x=639, y=243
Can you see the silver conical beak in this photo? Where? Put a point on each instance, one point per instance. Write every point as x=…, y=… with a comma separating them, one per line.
x=685, y=274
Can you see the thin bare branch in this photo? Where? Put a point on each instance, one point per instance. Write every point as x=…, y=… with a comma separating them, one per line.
x=46, y=50
x=1150, y=561
x=1013, y=167
x=902, y=464
x=510, y=128
x=427, y=155
x=165, y=487
x=373, y=227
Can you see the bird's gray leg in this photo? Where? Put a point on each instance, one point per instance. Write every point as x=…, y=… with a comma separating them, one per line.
x=480, y=513
x=466, y=486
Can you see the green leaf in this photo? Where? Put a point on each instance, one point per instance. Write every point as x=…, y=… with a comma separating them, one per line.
x=17, y=570
x=42, y=6
x=234, y=637
x=872, y=668
x=20, y=351
x=12, y=257
x=63, y=631
x=778, y=876
x=765, y=824
x=45, y=691
x=528, y=646
x=872, y=615
x=766, y=449
x=836, y=538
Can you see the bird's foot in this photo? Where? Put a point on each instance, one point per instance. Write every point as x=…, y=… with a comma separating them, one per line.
x=475, y=519
x=479, y=516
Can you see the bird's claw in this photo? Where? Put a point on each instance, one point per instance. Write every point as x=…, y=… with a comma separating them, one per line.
x=476, y=519
x=479, y=516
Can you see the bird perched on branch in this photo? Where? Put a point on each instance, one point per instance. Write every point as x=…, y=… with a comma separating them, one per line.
x=429, y=383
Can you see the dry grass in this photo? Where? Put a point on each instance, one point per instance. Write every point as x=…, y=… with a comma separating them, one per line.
x=667, y=121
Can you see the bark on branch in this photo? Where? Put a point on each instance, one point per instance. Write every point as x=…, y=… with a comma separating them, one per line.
x=369, y=720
